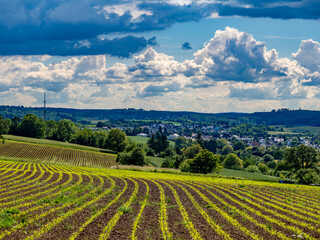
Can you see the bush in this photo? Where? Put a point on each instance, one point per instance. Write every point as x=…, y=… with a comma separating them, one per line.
x=168, y=152
x=192, y=151
x=204, y=162
x=227, y=150
x=116, y=140
x=239, y=145
x=233, y=161
x=272, y=164
x=168, y=163
x=263, y=168
x=308, y=176
x=249, y=161
x=136, y=157
x=185, y=166
x=253, y=169
x=268, y=158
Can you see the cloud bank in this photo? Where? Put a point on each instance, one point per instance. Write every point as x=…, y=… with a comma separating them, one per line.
x=232, y=67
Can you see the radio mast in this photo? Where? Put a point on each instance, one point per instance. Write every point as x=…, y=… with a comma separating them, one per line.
x=45, y=107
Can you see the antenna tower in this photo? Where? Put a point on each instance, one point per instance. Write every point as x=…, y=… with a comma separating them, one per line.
x=45, y=107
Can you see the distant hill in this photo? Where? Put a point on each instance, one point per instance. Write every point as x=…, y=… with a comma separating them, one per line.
x=275, y=117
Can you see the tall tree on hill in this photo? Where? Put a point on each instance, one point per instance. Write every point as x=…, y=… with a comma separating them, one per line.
x=66, y=130
x=158, y=142
x=32, y=126
x=4, y=127
x=199, y=139
x=116, y=140
x=300, y=157
x=14, y=127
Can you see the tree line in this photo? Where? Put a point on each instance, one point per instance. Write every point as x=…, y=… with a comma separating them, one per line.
x=63, y=130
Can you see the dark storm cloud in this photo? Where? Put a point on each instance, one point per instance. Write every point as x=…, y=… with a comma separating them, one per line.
x=121, y=47
x=56, y=25
x=290, y=9
x=153, y=41
x=186, y=46
x=53, y=27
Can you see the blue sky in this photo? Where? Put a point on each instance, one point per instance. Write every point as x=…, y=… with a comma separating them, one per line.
x=204, y=56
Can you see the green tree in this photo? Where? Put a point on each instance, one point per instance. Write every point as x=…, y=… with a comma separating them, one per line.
x=272, y=164
x=181, y=142
x=158, y=142
x=204, y=162
x=211, y=145
x=268, y=158
x=4, y=127
x=135, y=157
x=14, y=127
x=199, y=139
x=227, y=150
x=32, y=126
x=168, y=162
x=221, y=143
x=138, y=156
x=249, y=161
x=233, y=161
x=308, y=176
x=51, y=128
x=239, y=145
x=116, y=140
x=66, y=130
x=252, y=168
x=301, y=157
x=192, y=151
x=263, y=168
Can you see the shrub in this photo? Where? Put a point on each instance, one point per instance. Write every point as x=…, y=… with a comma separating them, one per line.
x=268, y=158
x=227, y=150
x=233, y=161
x=249, y=161
x=272, y=164
x=185, y=166
x=204, y=162
x=308, y=176
x=252, y=168
x=136, y=157
x=168, y=163
x=263, y=168
x=192, y=151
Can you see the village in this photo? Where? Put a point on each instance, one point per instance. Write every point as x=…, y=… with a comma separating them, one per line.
x=222, y=131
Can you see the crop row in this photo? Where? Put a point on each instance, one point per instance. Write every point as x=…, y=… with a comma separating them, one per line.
x=45, y=201
x=56, y=155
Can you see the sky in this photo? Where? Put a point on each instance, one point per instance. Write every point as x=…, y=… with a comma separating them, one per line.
x=178, y=55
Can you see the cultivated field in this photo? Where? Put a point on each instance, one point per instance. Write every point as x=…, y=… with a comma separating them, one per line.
x=56, y=155
x=42, y=201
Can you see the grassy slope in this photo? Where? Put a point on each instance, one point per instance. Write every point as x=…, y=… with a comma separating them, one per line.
x=156, y=161
x=138, y=139
x=248, y=175
x=144, y=140
x=53, y=143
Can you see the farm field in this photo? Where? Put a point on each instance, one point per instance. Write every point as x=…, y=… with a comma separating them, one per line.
x=56, y=155
x=296, y=130
x=53, y=143
x=46, y=201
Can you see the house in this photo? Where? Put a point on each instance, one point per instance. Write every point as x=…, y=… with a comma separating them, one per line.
x=173, y=136
x=142, y=135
